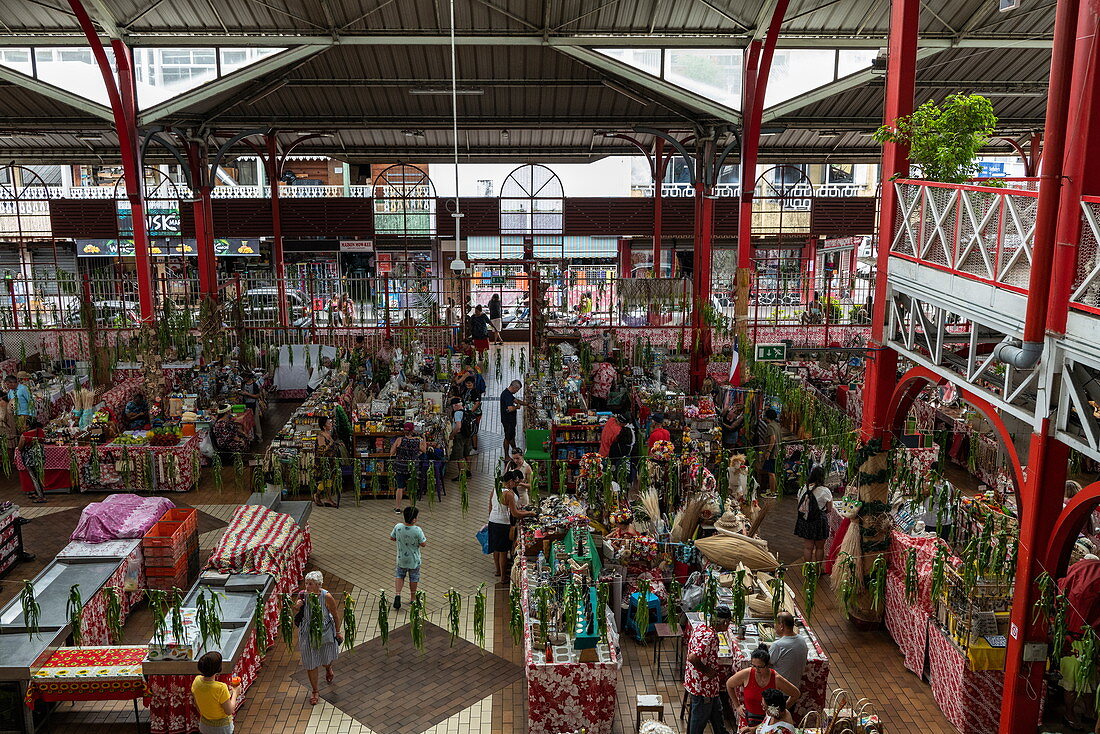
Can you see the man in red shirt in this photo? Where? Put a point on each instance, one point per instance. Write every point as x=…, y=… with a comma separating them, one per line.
x=659, y=432
x=610, y=432
x=703, y=677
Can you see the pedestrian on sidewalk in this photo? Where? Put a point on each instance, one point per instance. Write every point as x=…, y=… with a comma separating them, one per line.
x=410, y=539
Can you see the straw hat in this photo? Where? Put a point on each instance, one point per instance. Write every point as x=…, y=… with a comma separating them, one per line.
x=223, y=409
x=22, y=375
x=730, y=521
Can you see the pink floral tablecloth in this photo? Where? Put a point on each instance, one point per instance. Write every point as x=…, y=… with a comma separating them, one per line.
x=971, y=700
x=93, y=620
x=171, y=707
x=567, y=697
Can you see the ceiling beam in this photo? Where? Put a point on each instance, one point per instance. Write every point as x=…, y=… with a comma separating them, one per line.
x=837, y=39
x=56, y=93
x=662, y=88
x=227, y=83
x=843, y=84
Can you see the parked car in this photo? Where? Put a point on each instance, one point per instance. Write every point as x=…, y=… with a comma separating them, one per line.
x=122, y=314
x=261, y=308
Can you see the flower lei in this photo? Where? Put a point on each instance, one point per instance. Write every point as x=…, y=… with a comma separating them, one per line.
x=662, y=450
x=591, y=466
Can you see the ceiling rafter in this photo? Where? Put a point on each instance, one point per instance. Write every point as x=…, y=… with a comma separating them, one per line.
x=56, y=93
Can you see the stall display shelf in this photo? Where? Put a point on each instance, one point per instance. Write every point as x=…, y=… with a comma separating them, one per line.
x=11, y=539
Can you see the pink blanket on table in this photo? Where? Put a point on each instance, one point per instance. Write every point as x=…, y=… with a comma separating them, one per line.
x=120, y=516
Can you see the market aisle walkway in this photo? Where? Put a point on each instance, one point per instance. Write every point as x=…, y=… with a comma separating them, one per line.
x=352, y=548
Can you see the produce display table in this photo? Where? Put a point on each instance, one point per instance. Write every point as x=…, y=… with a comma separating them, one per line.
x=174, y=467
x=734, y=657
x=567, y=696
x=90, y=674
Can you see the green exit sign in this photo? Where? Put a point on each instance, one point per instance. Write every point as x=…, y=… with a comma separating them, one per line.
x=771, y=352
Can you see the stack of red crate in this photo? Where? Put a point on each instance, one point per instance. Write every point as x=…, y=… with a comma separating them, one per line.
x=171, y=550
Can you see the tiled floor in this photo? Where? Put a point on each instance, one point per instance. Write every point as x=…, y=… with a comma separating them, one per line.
x=352, y=548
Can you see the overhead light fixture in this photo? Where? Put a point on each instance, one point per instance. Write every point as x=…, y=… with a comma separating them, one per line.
x=829, y=133
x=88, y=137
x=1010, y=93
x=1005, y=5
x=626, y=93
x=446, y=92
x=504, y=134
x=410, y=133
x=772, y=130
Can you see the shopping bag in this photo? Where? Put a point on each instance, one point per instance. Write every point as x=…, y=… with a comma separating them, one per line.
x=483, y=538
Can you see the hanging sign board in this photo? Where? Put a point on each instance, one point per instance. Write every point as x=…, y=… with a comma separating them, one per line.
x=771, y=352
x=166, y=247
x=162, y=219
x=224, y=247
x=838, y=244
x=356, y=245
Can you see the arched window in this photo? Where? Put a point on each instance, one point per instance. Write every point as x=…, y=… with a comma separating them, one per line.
x=532, y=202
x=404, y=202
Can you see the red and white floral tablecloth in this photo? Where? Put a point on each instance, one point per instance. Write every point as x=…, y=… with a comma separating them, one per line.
x=90, y=674
x=93, y=620
x=567, y=697
x=258, y=540
x=971, y=700
x=171, y=709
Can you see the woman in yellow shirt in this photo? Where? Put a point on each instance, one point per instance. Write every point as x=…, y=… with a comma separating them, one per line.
x=214, y=699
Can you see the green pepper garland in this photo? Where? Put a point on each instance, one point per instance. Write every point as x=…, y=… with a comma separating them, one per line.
x=479, y=616
x=710, y=596
x=811, y=574
x=1058, y=627
x=464, y=491
x=263, y=644
x=350, y=623
x=515, y=616
x=738, y=603
x=454, y=609
x=911, y=581
x=74, y=469
x=316, y=629
x=175, y=614
x=641, y=611
x=1044, y=602
x=413, y=486
x=158, y=605
x=113, y=614
x=216, y=470
x=848, y=585
x=1088, y=659
x=383, y=616
x=603, y=595
x=938, y=566
x=238, y=470
x=877, y=584
x=416, y=620
x=778, y=589
x=286, y=620
x=75, y=611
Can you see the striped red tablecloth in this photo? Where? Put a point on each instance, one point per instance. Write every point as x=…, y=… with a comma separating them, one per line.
x=258, y=540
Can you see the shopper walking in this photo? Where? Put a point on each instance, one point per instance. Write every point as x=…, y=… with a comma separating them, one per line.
x=479, y=331
x=771, y=437
x=404, y=460
x=215, y=700
x=603, y=378
x=496, y=316
x=812, y=522
x=331, y=634
x=410, y=539
x=703, y=677
x=509, y=414
x=462, y=431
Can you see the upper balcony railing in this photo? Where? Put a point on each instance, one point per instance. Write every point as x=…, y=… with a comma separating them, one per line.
x=980, y=233
x=732, y=191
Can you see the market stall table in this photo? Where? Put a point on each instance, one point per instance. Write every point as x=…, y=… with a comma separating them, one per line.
x=91, y=674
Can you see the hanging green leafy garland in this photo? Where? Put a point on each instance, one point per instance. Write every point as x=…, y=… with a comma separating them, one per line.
x=75, y=611
x=515, y=616
x=454, y=609
x=603, y=598
x=158, y=605
x=569, y=601
x=848, y=585
x=641, y=611
x=1058, y=627
x=413, y=486
x=877, y=584
x=263, y=644
x=778, y=589
x=175, y=615
x=563, y=471
x=542, y=606
x=208, y=608
x=536, y=480
x=350, y=623
x=74, y=469
x=416, y=620
x=113, y=614
x=238, y=470
x=675, y=593
x=286, y=620
x=383, y=616
x=216, y=471
x=737, y=605
x=1087, y=659
x=464, y=491
x=479, y=616
x=811, y=574
x=938, y=571
x=911, y=580
x=710, y=596
x=316, y=615
x=1044, y=602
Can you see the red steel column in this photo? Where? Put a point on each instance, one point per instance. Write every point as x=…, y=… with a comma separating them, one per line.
x=200, y=210
x=658, y=171
x=700, y=282
x=123, y=100
x=624, y=257
x=274, y=170
x=901, y=74
x=758, y=62
x=1067, y=175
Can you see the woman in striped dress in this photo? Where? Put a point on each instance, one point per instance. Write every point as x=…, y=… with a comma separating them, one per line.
x=313, y=657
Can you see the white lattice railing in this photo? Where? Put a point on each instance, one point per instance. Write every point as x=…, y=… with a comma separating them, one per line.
x=1085, y=295
x=977, y=232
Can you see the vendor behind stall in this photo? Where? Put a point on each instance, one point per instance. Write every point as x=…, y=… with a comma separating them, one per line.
x=19, y=395
x=228, y=435
x=135, y=416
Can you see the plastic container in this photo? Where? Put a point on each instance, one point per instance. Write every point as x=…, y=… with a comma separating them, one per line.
x=167, y=538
